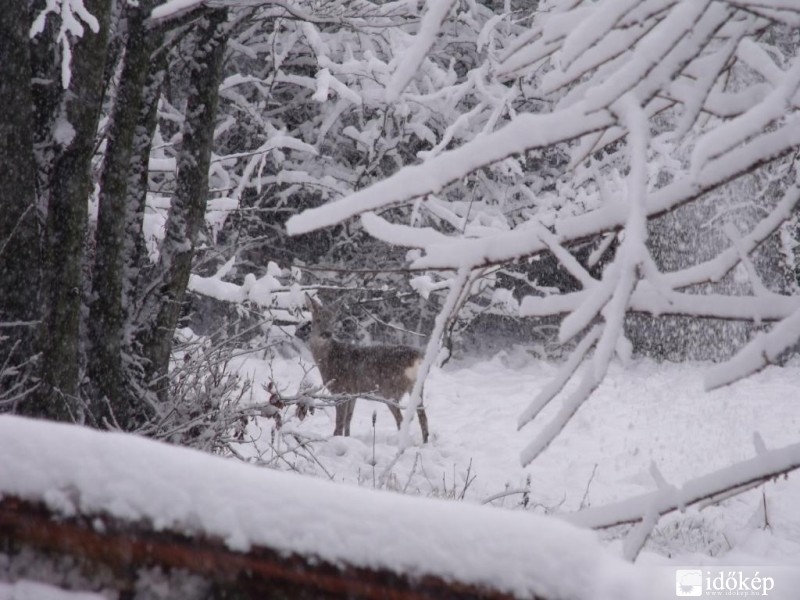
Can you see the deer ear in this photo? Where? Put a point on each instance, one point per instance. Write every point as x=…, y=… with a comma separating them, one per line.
x=313, y=305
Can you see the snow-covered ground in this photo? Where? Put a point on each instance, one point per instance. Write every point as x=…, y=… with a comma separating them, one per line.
x=642, y=414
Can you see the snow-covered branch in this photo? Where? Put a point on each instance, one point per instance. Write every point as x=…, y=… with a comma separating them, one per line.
x=740, y=476
x=72, y=16
x=642, y=109
x=762, y=351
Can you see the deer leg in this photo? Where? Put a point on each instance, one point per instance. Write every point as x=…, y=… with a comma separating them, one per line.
x=397, y=414
x=423, y=423
x=338, y=427
x=421, y=415
x=350, y=406
x=341, y=419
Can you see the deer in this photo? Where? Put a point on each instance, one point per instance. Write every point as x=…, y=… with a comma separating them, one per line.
x=388, y=371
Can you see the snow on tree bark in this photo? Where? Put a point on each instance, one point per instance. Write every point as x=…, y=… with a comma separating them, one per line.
x=112, y=398
x=68, y=187
x=162, y=307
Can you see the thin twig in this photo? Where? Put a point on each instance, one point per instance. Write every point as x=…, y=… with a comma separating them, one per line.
x=504, y=494
x=588, y=485
x=467, y=480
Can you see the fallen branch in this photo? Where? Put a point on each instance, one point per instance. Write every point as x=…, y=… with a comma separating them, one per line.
x=717, y=485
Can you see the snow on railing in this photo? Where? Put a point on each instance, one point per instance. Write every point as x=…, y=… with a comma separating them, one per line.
x=118, y=498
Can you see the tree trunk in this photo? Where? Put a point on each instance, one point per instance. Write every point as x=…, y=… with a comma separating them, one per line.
x=112, y=400
x=19, y=235
x=135, y=255
x=163, y=304
x=69, y=186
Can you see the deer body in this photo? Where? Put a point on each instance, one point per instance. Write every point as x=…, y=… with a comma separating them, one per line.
x=387, y=371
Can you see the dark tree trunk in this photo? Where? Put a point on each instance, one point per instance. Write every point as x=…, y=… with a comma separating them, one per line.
x=112, y=400
x=163, y=304
x=136, y=264
x=69, y=186
x=47, y=95
x=135, y=256
x=19, y=236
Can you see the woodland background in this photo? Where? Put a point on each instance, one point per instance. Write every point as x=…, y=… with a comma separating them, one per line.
x=597, y=181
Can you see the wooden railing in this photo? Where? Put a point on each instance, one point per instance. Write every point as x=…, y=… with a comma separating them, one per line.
x=261, y=573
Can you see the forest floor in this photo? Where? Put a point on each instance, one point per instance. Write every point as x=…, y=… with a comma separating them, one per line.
x=645, y=413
